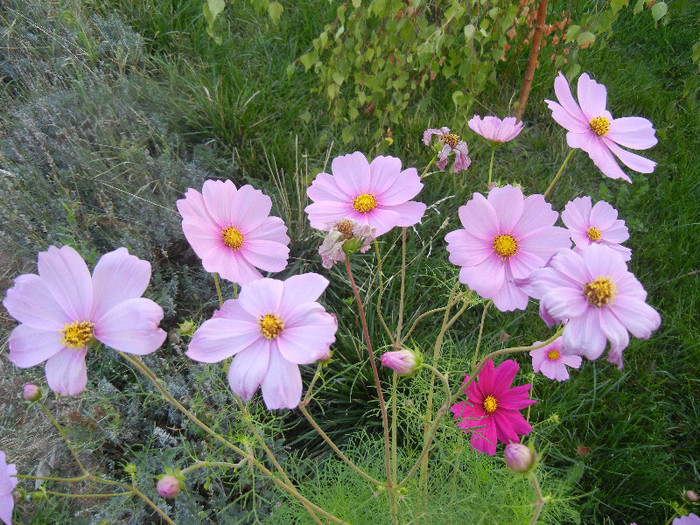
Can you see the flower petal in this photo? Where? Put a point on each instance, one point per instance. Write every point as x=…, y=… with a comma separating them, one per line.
x=631, y=160
x=30, y=302
x=282, y=386
x=66, y=372
x=261, y=297
x=299, y=290
x=479, y=218
x=68, y=279
x=222, y=337
x=132, y=326
x=248, y=369
x=118, y=276
x=591, y=96
x=633, y=132
x=508, y=203
x=30, y=346
x=352, y=173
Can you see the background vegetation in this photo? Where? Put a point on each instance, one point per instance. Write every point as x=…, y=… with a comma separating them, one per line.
x=110, y=110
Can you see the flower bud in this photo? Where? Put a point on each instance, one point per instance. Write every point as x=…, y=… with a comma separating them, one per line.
x=168, y=486
x=691, y=496
x=519, y=457
x=404, y=362
x=31, y=392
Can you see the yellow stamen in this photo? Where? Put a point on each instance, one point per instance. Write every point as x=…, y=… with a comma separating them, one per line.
x=77, y=335
x=364, y=203
x=271, y=326
x=490, y=404
x=600, y=126
x=232, y=237
x=553, y=355
x=601, y=291
x=505, y=246
x=594, y=234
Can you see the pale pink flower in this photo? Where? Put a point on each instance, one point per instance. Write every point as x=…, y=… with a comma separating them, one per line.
x=168, y=486
x=597, y=224
x=492, y=408
x=520, y=458
x=552, y=360
x=271, y=328
x=506, y=237
x=232, y=232
x=598, y=298
x=344, y=235
x=447, y=143
x=496, y=130
x=404, y=362
x=690, y=519
x=8, y=482
x=64, y=310
x=592, y=128
x=376, y=194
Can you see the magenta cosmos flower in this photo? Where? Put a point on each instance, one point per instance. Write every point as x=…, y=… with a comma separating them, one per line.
x=496, y=130
x=64, y=310
x=271, y=328
x=8, y=482
x=506, y=237
x=491, y=411
x=592, y=128
x=552, y=361
x=231, y=230
x=598, y=298
x=447, y=143
x=376, y=194
x=597, y=224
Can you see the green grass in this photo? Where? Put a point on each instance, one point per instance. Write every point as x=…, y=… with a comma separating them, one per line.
x=232, y=111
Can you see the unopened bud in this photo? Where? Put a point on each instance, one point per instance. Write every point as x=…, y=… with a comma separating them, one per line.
x=519, y=457
x=691, y=495
x=404, y=362
x=31, y=392
x=168, y=486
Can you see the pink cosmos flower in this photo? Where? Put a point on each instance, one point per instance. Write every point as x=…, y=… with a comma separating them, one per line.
x=506, y=237
x=597, y=297
x=552, y=360
x=496, y=130
x=376, y=194
x=271, y=328
x=446, y=144
x=404, y=362
x=8, y=482
x=690, y=519
x=491, y=410
x=64, y=310
x=231, y=231
x=597, y=224
x=592, y=128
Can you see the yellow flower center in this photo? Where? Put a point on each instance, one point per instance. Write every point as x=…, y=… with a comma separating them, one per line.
x=451, y=140
x=232, y=237
x=594, y=233
x=364, y=203
x=77, y=335
x=490, y=404
x=271, y=326
x=600, y=126
x=600, y=291
x=505, y=246
x=553, y=355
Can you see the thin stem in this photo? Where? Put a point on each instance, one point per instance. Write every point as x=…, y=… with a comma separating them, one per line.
x=218, y=288
x=100, y=495
x=317, y=374
x=206, y=464
x=381, y=293
x=372, y=362
x=403, y=283
x=425, y=171
x=47, y=478
x=440, y=376
x=450, y=304
x=493, y=154
x=65, y=438
x=539, y=504
x=394, y=418
x=561, y=170
x=481, y=331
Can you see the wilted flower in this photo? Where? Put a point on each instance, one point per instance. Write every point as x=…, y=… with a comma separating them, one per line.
x=447, y=143
x=491, y=411
x=592, y=128
x=344, y=236
x=231, y=231
x=552, y=360
x=375, y=194
x=597, y=297
x=403, y=362
x=496, y=130
x=8, y=482
x=31, y=392
x=271, y=328
x=597, y=224
x=519, y=457
x=168, y=486
x=63, y=310
x=506, y=237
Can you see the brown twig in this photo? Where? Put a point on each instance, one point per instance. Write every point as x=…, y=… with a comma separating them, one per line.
x=532, y=60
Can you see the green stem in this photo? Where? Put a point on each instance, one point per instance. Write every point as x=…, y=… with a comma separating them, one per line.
x=539, y=504
x=207, y=464
x=100, y=495
x=47, y=478
x=493, y=154
x=381, y=293
x=561, y=170
x=449, y=305
x=403, y=283
x=481, y=331
x=394, y=418
x=218, y=289
x=425, y=171
x=65, y=438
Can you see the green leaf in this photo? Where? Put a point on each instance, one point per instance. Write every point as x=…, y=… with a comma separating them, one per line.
x=696, y=52
x=658, y=10
x=585, y=38
x=638, y=7
x=572, y=33
x=616, y=5
x=469, y=31
x=274, y=9
x=338, y=78
x=458, y=98
x=212, y=9
x=309, y=59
